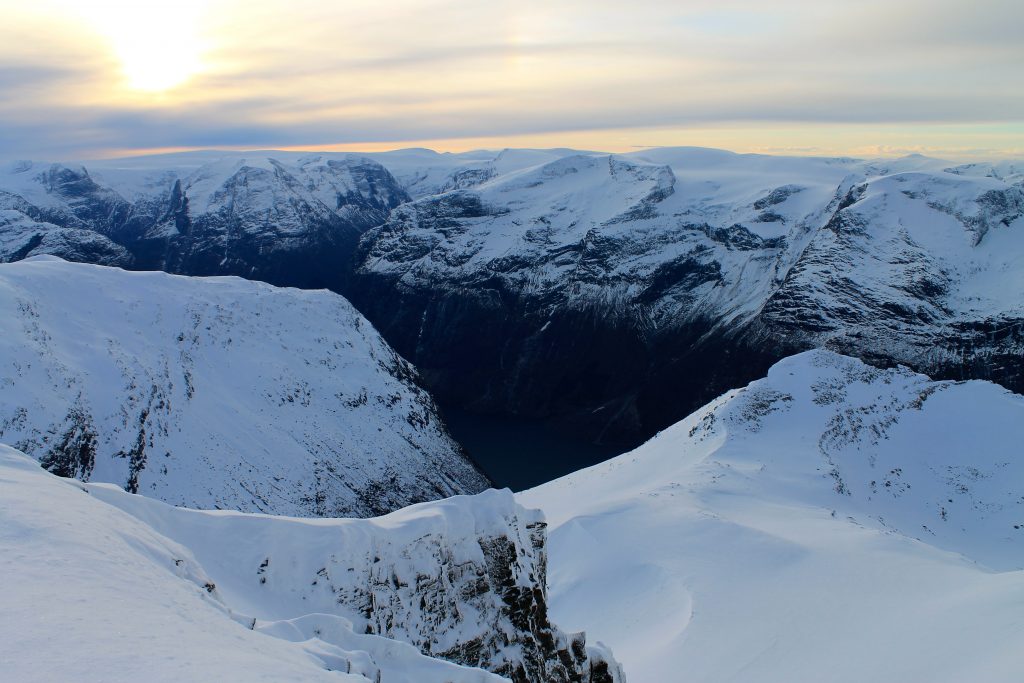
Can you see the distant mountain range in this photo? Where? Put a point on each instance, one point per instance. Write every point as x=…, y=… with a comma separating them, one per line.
x=613, y=293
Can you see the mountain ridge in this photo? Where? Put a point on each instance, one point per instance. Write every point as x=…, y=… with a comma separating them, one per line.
x=679, y=266
x=217, y=392
x=831, y=519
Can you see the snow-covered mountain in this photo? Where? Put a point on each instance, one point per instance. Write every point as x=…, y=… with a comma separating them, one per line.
x=104, y=585
x=22, y=237
x=216, y=392
x=290, y=219
x=621, y=290
x=616, y=292
x=831, y=522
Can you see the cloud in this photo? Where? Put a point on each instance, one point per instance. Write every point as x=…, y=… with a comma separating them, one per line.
x=317, y=73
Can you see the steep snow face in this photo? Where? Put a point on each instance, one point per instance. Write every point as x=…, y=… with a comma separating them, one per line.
x=216, y=392
x=193, y=595
x=832, y=517
x=920, y=267
x=22, y=237
x=695, y=267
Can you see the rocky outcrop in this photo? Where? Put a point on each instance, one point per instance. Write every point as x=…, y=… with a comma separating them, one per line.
x=463, y=580
x=447, y=592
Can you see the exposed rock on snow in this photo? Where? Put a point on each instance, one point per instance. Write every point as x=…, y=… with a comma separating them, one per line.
x=194, y=595
x=21, y=237
x=216, y=392
x=293, y=219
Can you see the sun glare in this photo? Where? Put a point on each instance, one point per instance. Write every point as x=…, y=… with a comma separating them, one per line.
x=157, y=45
x=154, y=69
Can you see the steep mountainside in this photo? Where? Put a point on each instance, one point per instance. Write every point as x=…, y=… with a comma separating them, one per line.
x=216, y=392
x=611, y=292
x=831, y=522
x=290, y=219
x=124, y=588
x=603, y=288
x=22, y=237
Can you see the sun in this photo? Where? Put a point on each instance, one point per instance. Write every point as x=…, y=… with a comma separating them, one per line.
x=157, y=45
x=155, y=68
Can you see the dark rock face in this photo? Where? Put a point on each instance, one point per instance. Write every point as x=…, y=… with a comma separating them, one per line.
x=288, y=224
x=479, y=601
x=605, y=374
x=520, y=298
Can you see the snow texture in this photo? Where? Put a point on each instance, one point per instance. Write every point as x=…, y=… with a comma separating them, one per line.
x=120, y=587
x=216, y=392
x=832, y=521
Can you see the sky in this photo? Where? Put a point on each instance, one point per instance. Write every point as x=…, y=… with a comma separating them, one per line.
x=81, y=79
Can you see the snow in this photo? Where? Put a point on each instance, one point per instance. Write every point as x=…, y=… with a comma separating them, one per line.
x=758, y=217
x=22, y=237
x=96, y=594
x=216, y=392
x=590, y=227
x=830, y=522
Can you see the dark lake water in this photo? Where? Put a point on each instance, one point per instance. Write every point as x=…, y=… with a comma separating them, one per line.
x=521, y=453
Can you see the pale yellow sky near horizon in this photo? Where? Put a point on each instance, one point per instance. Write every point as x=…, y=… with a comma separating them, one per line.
x=872, y=78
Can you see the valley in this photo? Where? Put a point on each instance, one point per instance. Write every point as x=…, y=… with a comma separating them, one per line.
x=757, y=416
x=608, y=294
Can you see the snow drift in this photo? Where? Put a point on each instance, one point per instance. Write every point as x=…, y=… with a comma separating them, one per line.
x=831, y=522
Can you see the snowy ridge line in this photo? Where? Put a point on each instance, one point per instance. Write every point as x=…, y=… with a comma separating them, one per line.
x=387, y=599
x=832, y=516
x=218, y=393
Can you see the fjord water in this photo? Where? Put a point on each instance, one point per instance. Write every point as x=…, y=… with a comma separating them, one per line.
x=520, y=453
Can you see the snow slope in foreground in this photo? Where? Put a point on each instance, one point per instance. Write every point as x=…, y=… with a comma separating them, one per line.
x=101, y=585
x=832, y=522
x=216, y=392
